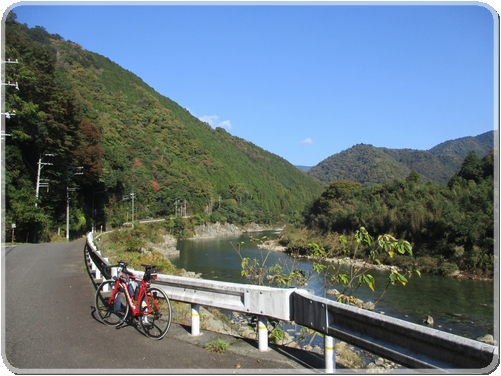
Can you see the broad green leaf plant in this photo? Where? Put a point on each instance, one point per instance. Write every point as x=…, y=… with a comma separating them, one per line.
x=279, y=274
x=358, y=273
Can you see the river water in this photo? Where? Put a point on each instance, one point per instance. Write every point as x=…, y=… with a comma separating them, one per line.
x=462, y=307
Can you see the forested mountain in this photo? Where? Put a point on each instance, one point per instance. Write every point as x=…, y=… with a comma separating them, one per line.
x=450, y=226
x=369, y=165
x=304, y=168
x=461, y=147
x=75, y=108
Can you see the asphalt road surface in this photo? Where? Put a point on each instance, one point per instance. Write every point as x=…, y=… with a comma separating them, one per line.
x=49, y=326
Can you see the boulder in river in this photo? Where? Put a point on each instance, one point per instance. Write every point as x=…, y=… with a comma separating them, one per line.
x=428, y=321
x=488, y=338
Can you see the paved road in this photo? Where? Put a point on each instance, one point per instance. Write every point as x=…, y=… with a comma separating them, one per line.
x=49, y=325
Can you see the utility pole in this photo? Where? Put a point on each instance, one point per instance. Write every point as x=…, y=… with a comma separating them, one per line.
x=13, y=112
x=39, y=183
x=132, y=195
x=125, y=198
x=69, y=175
x=210, y=206
x=94, y=193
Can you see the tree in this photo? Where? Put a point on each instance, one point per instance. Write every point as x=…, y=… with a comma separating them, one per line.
x=413, y=178
x=471, y=168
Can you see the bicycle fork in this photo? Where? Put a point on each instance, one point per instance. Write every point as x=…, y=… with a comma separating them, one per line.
x=116, y=297
x=144, y=305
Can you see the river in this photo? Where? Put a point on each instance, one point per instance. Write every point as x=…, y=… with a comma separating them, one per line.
x=460, y=306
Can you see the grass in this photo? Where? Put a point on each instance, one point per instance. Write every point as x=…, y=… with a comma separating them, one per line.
x=217, y=346
x=117, y=246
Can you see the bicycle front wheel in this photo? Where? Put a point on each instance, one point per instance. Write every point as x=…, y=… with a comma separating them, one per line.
x=157, y=321
x=111, y=307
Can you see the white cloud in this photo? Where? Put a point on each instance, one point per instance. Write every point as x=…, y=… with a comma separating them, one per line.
x=224, y=124
x=307, y=141
x=212, y=120
x=209, y=119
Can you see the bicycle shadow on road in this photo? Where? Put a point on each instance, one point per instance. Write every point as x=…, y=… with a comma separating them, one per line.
x=129, y=322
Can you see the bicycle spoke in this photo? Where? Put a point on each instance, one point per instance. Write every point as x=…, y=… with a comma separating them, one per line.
x=112, y=312
x=157, y=322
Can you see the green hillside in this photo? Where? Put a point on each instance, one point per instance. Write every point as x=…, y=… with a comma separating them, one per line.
x=370, y=165
x=361, y=163
x=87, y=111
x=461, y=147
x=450, y=226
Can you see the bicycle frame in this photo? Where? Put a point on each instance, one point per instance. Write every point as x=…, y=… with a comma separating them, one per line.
x=136, y=308
x=117, y=301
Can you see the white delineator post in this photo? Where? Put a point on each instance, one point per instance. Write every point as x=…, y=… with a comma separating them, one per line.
x=329, y=354
x=262, y=325
x=195, y=320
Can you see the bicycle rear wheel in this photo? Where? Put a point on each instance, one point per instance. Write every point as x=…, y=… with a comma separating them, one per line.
x=157, y=322
x=112, y=312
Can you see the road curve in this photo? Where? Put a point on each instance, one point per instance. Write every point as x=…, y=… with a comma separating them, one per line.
x=49, y=324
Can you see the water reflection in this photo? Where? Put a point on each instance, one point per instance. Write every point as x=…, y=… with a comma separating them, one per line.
x=463, y=307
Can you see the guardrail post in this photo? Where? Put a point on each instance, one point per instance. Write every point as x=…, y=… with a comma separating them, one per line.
x=113, y=271
x=262, y=326
x=329, y=354
x=98, y=272
x=92, y=263
x=195, y=320
x=105, y=288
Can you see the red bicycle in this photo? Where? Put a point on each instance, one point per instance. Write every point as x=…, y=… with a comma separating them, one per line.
x=116, y=297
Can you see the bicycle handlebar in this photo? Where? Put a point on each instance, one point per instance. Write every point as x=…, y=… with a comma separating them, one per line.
x=123, y=264
x=150, y=269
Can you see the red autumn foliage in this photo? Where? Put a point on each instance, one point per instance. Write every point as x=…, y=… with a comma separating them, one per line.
x=155, y=186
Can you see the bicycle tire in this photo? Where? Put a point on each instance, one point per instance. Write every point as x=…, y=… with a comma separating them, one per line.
x=105, y=309
x=157, y=322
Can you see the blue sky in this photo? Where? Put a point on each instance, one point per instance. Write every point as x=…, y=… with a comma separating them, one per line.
x=303, y=81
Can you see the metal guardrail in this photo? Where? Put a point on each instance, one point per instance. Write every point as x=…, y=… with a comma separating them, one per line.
x=411, y=345
x=406, y=343
x=99, y=262
x=258, y=300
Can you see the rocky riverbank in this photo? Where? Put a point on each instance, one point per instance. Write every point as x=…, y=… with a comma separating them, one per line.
x=273, y=245
x=213, y=230
x=167, y=248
